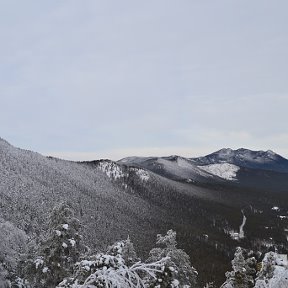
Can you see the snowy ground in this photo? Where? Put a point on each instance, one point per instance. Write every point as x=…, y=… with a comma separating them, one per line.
x=280, y=273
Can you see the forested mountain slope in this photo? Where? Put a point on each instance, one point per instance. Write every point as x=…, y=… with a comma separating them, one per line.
x=117, y=199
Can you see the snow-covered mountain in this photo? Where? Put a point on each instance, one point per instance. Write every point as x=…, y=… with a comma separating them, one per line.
x=264, y=160
x=180, y=168
x=242, y=165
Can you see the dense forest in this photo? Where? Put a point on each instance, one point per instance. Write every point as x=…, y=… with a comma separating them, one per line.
x=60, y=258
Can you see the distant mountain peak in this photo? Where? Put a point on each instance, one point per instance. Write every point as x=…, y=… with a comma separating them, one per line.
x=242, y=157
x=270, y=152
x=225, y=152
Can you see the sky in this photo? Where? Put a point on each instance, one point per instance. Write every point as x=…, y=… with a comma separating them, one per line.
x=84, y=80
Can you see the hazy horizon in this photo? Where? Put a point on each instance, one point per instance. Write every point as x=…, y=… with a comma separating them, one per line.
x=82, y=156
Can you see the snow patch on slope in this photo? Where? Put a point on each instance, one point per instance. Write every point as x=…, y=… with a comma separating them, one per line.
x=223, y=170
x=111, y=169
x=115, y=171
x=142, y=174
x=182, y=168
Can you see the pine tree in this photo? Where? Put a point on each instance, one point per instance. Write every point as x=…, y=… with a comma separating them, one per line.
x=59, y=251
x=126, y=250
x=243, y=271
x=177, y=270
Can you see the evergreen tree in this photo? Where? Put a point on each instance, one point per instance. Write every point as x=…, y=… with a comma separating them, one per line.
x=59, y=251
x=177, y=270
x=126, y=250
x=243, y=271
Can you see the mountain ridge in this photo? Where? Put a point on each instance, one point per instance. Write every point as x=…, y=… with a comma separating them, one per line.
x=222, y=155
x=242, y=157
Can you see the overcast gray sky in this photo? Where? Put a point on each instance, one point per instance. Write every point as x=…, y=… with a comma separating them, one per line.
x=108, y=79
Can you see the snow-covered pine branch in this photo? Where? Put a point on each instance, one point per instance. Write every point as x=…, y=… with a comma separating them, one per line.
x=124, y=276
